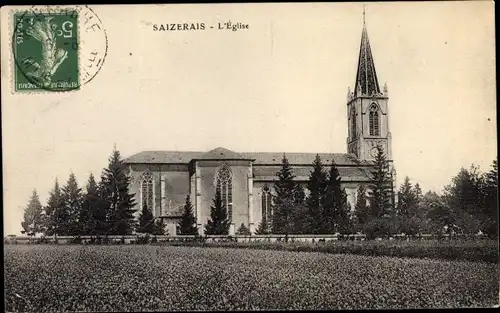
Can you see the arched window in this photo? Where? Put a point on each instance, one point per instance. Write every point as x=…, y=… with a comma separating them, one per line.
x=353, y=123
x=374, y=122
x=225, y=186
x=147, y=190
x=266, y=205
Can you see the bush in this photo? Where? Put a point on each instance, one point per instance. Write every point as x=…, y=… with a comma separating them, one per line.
x=141, y=240
x=44, y=240
x=76, y=241
x=377, y=228
x=104, y=240
x=243, y=230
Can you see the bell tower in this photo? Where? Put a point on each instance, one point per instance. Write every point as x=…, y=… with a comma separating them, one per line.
x=367, y=108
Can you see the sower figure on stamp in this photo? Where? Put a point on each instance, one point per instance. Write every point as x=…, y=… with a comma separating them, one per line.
x=45, y=32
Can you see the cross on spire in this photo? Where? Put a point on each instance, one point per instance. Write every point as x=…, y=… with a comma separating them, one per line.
x=363, y=14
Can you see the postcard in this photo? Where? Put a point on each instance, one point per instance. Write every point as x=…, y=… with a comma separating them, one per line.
x=264, y=156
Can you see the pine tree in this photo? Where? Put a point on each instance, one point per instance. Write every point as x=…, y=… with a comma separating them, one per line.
x=102, y=212
x=93, y=215
x=407, y=209
x=332, y=193
x=146, y=220
x=243, y=230
x=86, y=213
x=343, y=214
x=187, y=224
x=55, y=217
x=299, y=214
x=263, y=228
x=218, y=224
x=336, y=216
x=72, y=202
x=32, y=221
x=116, y=182
x=284, y=200
x=299, y=194
x=381, y=221
x=361, y=210
x=317, y=186
x=300, y=221
x=332, y=202
x=418, y=193
x=380, y=190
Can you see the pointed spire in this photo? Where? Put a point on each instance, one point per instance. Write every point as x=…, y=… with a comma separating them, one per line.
x=366, y=77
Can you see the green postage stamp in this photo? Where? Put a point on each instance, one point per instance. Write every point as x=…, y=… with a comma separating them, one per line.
x=46, y=51
x=56, y=49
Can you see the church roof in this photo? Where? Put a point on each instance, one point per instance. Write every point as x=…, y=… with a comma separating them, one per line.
x=301, y=173
x=263, y=158
x=164, y=157
x=366, y=77
x=222, y=154
x=259, y=158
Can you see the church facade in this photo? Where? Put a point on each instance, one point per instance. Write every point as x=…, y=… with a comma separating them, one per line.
x=163, y=179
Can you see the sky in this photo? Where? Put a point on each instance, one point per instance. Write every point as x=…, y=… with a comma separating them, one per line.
x=280, y=86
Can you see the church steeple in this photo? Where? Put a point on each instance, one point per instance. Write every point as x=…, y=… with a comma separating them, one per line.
x=366, y=77
x=367, y=108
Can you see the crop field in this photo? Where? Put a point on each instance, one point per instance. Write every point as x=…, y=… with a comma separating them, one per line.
x=42, y=278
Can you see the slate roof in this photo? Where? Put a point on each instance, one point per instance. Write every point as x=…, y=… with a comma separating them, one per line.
x=268, y=173
x=268, y=158
x=164, y=157
x=366, y=76
x=260, y=158
x=222, y=154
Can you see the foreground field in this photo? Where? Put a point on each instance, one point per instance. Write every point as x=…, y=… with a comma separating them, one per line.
x=124, y=278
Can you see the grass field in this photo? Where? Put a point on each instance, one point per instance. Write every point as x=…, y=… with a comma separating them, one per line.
x=43, y=278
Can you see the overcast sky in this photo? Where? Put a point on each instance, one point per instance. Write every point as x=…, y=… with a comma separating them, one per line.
x=279, y=86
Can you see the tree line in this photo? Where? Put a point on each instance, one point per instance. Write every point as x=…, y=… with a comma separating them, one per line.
x=105, y=207
x=325, y=209
x=468, y=205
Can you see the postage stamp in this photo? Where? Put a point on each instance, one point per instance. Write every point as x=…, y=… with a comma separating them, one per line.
x=45, y=51
x=56, y=49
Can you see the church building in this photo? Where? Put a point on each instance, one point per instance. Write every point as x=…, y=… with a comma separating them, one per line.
x=163, y=179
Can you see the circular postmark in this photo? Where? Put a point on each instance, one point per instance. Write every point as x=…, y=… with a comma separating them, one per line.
x=57, y=48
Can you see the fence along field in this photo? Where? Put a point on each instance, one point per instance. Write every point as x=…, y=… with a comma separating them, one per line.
x=150, y=277
x=214, y=238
